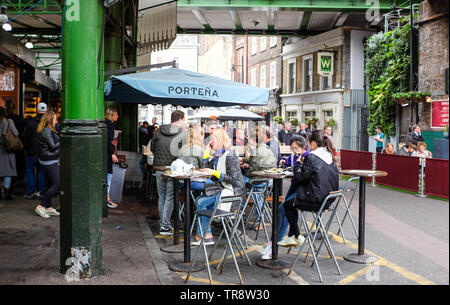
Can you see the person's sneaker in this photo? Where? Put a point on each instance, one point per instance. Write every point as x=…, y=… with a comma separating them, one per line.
x=288, y=241
x=166, y=231
x=41, y=212
x=267, y=252
x=52, y=212
x=208, y=242
x=300, y=241
x=29, y=196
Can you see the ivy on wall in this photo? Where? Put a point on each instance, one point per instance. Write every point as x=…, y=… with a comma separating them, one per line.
x=387, y=73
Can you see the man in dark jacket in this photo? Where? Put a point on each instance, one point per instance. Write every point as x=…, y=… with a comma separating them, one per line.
x=165, y=146
x=34, y=189
x=415, y=136
x=285, y=135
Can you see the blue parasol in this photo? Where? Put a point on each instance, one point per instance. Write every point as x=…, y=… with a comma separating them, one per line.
x=184, y=88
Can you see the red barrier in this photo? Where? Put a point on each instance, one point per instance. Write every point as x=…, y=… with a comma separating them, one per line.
x=352, y=159
x=436, y=177
x=403, y=171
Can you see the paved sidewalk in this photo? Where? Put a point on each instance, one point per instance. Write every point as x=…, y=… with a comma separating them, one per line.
x=408, y=234
x=29, y=248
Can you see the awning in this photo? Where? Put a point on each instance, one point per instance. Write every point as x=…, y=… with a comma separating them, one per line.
x=157, y=25
x=184, y=88
x=239, y=115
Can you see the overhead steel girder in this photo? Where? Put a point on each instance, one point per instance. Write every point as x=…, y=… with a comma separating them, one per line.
x=32, y=6
x=313, y=5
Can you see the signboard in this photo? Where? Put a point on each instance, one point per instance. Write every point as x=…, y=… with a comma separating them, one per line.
x=439, y=113
x=325, y=63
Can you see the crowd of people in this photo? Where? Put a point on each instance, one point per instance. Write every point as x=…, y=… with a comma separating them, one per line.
x=415, y=145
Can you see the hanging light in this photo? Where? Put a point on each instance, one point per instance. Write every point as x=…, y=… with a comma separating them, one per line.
x=7, y=27
x=3, y=17
x=29, y=44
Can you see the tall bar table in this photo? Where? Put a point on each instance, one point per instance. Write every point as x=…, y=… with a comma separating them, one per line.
x=361, y=257
x=176, y=247
x=275, y=263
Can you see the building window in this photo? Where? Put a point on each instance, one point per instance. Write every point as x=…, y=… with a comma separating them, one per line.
x=253, y=77
x=291, y=115
x=292, y=77
x=273, y=41
x=262, y=76
x=263, y=43
x=273, y=74
x=254, y=45
x=308, y=115
x=325, y=82
x=307, y=73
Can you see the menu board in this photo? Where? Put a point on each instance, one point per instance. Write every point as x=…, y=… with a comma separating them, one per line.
x=439, y=113
x=7, y=80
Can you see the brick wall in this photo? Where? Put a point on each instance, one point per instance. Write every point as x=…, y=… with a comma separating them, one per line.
x=433, y=53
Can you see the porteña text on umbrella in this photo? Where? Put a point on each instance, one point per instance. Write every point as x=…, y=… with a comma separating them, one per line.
x=193, y=91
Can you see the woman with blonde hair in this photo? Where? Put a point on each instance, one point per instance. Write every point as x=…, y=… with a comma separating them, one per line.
x=111, y=116
x=192, y=152
x=422, y=151
x=224, y=168
x=49, y=159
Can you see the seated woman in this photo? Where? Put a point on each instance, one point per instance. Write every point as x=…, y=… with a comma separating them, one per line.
x=422, y=151
x=316, y=178
x=389, y=149
x=299, y=152
x=224, y=169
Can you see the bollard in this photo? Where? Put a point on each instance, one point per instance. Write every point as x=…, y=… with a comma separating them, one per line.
x=422, y=163
x=374, y=167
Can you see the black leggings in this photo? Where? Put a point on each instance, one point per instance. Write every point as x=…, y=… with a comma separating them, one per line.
x=292, y=217
x=51, y=173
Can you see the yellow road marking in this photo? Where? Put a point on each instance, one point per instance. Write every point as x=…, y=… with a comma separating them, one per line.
x=202, y=280
x=354, y=276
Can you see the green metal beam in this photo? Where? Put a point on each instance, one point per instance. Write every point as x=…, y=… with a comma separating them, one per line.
x=33, y=6
x=316, y=5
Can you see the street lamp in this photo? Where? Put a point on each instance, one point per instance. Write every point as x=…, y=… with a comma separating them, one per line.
x=29, y=44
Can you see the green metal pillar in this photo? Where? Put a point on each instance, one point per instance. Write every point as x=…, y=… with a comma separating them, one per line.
x=81, y=142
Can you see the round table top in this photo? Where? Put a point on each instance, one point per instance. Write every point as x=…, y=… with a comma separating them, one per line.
x=364, y=173
x=263, y=174
x=184, y=176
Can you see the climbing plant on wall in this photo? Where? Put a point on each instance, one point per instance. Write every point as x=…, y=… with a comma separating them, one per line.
x=387, y=73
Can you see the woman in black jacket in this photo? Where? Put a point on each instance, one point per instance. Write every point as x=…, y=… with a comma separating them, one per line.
x=316, y=178
x=49, y=160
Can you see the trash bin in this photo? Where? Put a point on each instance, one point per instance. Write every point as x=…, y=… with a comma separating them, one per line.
x=117, y=181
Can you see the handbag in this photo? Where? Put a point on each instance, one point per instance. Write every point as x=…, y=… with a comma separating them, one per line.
x=212, y=189
x=12, y=142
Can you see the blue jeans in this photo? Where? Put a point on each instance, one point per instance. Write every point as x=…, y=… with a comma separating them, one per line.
x=31, y=166
x=165, y=199
x=7, y=182
x=282, y=219
x=204, y=203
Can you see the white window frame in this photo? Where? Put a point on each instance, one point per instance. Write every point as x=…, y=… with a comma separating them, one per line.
x=253, y=77
x=273, y=75
x=306, y=58
x=262, y=43
x=273, y=41
x=294, y=62
x=263, y=76
x=330, y=81
x=254, y=46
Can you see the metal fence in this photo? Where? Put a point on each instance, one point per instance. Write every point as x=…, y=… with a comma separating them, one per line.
x=422, y=175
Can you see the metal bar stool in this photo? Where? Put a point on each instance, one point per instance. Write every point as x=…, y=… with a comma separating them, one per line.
x=311, y=236
x=258, y=192
x=224, y=217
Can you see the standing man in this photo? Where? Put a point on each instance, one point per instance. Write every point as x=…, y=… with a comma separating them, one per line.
x=304, y=130
x=379, y=138
x=165, y=146
x=34, y=188
x=272, y=142
x=415, y=136
x=240, y=140
x=285, y=135
x=329, y=133
x=143, y=135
